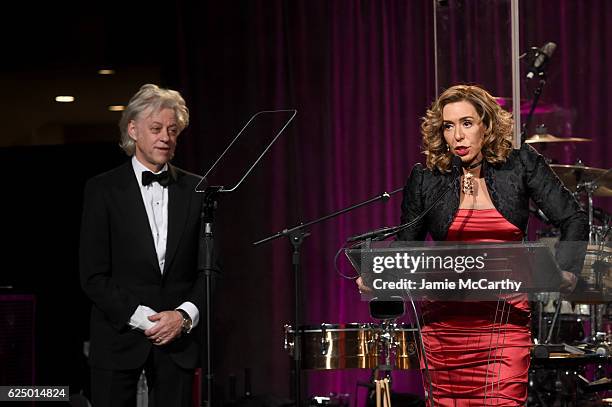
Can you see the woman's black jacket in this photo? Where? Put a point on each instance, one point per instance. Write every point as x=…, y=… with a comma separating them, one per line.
x=525, y=175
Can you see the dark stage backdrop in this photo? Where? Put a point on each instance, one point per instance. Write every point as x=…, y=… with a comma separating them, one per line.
x=360, y=73
x=40, y=243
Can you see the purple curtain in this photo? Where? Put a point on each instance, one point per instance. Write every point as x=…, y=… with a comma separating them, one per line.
x=578, y=76
x=360, y=74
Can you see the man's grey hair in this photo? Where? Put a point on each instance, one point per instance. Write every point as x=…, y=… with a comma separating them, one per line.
x=151, y=98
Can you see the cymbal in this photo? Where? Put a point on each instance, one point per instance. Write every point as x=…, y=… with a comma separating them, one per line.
x=571, y=175
x=549, y=138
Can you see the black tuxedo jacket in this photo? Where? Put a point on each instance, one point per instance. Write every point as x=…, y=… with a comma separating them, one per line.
x=525, y=175
x=119, y=268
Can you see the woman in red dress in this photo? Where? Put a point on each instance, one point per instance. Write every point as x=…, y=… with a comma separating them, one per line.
x=477, y=353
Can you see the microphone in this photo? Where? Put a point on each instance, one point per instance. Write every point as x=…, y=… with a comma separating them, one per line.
x=386, y=232
x=542, y=55
x=373, y=234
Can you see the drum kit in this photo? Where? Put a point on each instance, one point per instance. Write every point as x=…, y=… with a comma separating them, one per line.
x=595, y=280
x=580, y=327
x=577, y=367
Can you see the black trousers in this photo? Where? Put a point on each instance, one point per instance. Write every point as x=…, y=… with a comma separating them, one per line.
x=169, y=385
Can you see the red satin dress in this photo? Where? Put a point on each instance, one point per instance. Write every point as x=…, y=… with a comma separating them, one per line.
x=478, y=352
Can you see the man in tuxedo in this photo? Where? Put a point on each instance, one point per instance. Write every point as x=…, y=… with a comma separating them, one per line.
x=138, y=261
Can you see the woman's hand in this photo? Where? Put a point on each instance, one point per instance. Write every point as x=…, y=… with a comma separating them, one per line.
x=363, y=289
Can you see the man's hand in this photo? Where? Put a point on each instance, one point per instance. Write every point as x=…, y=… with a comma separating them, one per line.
x=568, y=282
x=168, y=326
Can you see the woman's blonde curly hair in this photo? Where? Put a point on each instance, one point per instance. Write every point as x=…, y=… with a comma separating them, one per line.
x=498, y=124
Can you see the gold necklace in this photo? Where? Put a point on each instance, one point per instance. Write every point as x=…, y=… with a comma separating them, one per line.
x=468, y=179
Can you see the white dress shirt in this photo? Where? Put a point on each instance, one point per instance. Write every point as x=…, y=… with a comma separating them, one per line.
x=155, y=198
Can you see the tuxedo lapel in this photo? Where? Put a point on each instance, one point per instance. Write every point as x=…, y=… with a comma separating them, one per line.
x=137, y=214
x=179, y=201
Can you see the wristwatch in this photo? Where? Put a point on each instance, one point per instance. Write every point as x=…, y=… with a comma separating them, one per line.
x=187, y=323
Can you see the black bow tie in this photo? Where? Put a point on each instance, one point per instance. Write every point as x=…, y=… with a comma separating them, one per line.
x=163, y=178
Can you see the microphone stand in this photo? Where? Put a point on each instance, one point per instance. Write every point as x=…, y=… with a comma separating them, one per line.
x=296, y=235
x=541, y=73
x=206, y=266
x=383, y=233
x=536, y=97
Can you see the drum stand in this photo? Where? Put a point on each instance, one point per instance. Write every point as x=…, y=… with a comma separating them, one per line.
x=387, y=312
x=597, y=236
x=384, y=341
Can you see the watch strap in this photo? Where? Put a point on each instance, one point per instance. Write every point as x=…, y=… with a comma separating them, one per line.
x=187, y=322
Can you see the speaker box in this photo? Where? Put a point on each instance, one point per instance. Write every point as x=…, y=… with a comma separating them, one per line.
x=17, y=339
